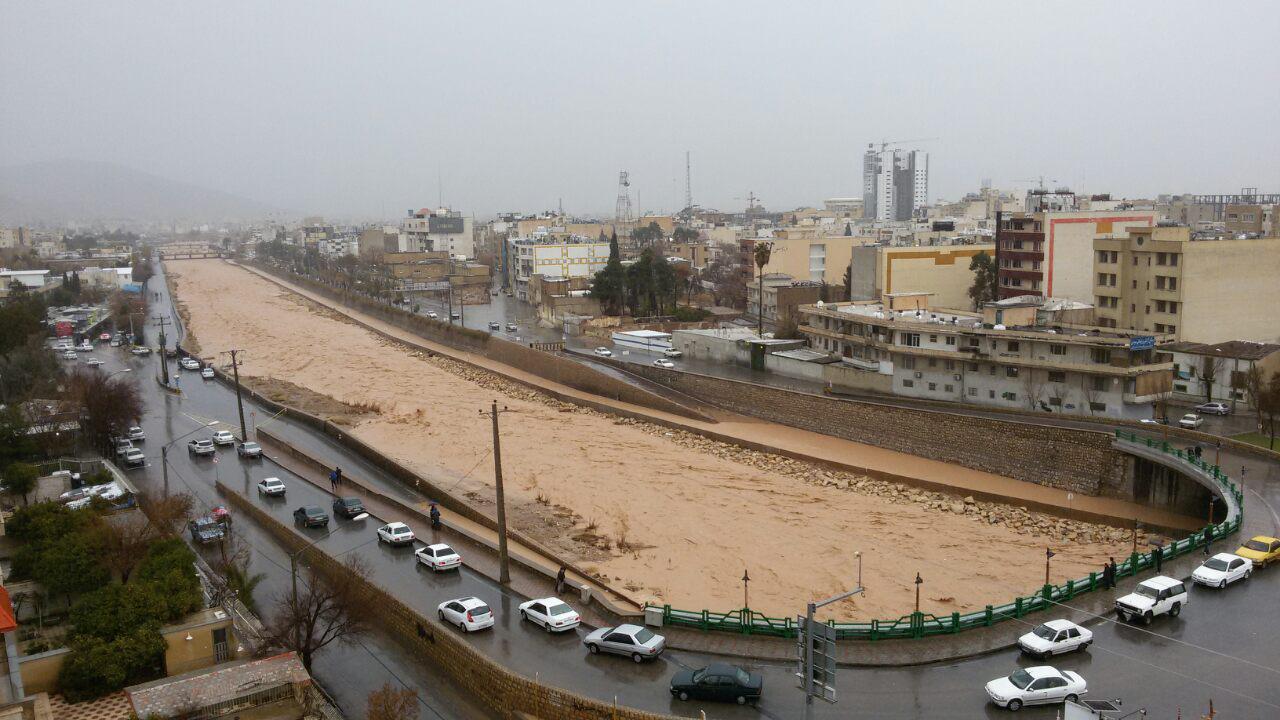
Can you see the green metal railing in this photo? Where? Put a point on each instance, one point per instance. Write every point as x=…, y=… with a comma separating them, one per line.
x=922, y=624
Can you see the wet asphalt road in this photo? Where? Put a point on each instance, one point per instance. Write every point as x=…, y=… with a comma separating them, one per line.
x=1146, y=669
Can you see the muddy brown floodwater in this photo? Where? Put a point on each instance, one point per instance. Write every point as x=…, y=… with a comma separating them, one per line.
x=670, y=517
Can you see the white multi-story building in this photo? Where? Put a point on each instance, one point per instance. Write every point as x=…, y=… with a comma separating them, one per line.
x=336, y=247
x=895, y=184
x=552, y=256
x=446, y=230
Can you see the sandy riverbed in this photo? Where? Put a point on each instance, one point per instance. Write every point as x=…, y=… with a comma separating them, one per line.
x=692, y=516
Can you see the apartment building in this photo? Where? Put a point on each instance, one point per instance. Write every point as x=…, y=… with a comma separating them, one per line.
x=942, y=271
x=439, y=230
x=1020, y=354
x=805, y=253
x=1163, y=280
x=895, y=184
x=1205, y=373
x=783, y=294
x=1048, y=252
x=552, y=256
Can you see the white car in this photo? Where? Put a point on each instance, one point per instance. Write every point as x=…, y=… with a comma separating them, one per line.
x=663, y=363
x=551, y=613
x=189, y=363
x=396, y=533
x=1191, y=420
x=109, y=492
x=85, y=346
x=1042, y=685
x=603, y=352
x=271, y=487
x=1222, y=569
x=69, y=355
x=1154, y=596
x=468, y=613
x=141, y=350
x=439, y=557
x=433, y=314
x=92, y=362
x=1213, y=408
x=136, y=434
x=672, y=353
x=201, y=447
x=123, y=446
x=638, y=643
x=134, y=458
x=1055, y=638
x=223, y=437
x=249, y=449
x=207, y=373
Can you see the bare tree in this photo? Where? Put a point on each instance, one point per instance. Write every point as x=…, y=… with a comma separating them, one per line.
x=1033, y=386
x=1255, y=387
x=1058, y=394
x=1210, y=369
x=124, y=541
x=1271, y=408
x=1091, y=395
x=389, y=703
x=170, y=513
x=323, y=610
x=108, y=405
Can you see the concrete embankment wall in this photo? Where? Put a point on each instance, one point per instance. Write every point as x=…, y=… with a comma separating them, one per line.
x=1078, y=460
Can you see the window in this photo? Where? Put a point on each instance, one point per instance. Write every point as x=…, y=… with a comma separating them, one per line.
x=1173, y=307
x=910, y=339
x=973, y=392
x=1098, y=407
x=1173, y=283
x=1057, y=376
x=1102, y=278
x=1055, y=401
x=950, y=365
x=1102, y=256
x=1100, y=355
x=933, y=362
x=951, y=340
x=908, y=383
x=1010, y=396
x=1173, y=259
x=1057, y=349
x=1162, y=258
x=1011, y=372
x=933, y=386
x=973, y=367
x=948, y=388
x=907, y=362
x=1013, y=346
x=992, y=370
x=1160, y=306
x=933, y=338
x=991, y=394
x=1099, y=383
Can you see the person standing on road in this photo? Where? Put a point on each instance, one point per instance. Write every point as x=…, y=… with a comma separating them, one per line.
x=435, y=517
x=1109, y=574
x=337, y=476
x=560, y=580
x=333, y=480
x=1157, y=554
x=1208, y=538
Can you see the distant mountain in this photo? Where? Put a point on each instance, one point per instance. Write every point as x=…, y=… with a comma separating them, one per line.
x=81, y=191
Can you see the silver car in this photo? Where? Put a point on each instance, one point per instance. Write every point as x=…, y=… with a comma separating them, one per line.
x=639, y=643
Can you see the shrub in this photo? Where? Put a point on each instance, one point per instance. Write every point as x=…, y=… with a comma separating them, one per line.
x=170, y=565
x=687, y=313
x=115, y=610
x=97, y=667
x=20, y=479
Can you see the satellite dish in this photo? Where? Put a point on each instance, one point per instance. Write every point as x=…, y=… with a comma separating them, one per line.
x=820, y=303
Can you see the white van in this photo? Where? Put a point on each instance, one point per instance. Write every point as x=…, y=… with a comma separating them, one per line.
x=1155, y=596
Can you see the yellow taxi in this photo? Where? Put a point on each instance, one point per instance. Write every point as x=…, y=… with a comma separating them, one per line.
x=1262, y=550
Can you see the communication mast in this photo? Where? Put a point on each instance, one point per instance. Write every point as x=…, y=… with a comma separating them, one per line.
x=688, y=184
x=622, y=212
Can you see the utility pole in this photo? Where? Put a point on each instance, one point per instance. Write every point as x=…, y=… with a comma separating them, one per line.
x=164, y=467
x=235, y=372
x=1048, y=553
x=163, y=320
x=504, y=574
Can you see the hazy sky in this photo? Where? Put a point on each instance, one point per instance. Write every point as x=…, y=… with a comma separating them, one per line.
x=356, y=108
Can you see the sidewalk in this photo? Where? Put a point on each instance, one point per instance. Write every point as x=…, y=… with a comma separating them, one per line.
x=800, y=444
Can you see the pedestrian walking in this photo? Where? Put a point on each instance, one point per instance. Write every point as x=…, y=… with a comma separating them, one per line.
x=1109, y=574
x=560, y=580
x=333, y=480
x=1208, y=538
x=337, y=476
x=435, y=517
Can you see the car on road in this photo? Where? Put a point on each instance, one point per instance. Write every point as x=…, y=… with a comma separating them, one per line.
x=188, y=363
x=551, y=613
x=663, y=363
x=439, y=557
x=93, y=362
x=396, y=533
x=348, y=507
x=512, y=327
x=433, y=314
x=1041, y=685
x=1191, y=421
x=311, y=516
x=468, y=613
x=85, y=346
x=123, y=445
x=207, y=373
x=135, y=458
x=603, y=352
x=272, y=487
x=719, y=682
x=140, y=350
x=672, y=353
x=1261, y=550
x=1222, y=570
x=494, y=325
x=223, y=437
x=201, y=447
x=249, y=450
x=1155, y=421
x=136, y=434
x=1213, y=408
x=115, y=342
x=207, y=529
x=638, y=643
x=69, y=355
x=1055, y=637
x=1154, y=596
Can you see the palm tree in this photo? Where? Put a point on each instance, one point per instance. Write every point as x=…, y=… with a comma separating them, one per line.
x=763, y=251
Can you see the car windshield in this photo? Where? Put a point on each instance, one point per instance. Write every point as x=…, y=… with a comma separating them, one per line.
x=1257, y=545
x=313, y=511
x=250, y=446
x=559, y=609
x=742, y=677
x=1145, y=591
x=643, y=636
x=1044, y=631
x=1216, y=564
x=1021, y=679
x=350, y=502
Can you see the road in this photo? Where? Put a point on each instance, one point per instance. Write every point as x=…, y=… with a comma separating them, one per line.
x=1213, y=650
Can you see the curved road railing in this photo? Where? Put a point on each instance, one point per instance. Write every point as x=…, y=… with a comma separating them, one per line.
x=922, y=624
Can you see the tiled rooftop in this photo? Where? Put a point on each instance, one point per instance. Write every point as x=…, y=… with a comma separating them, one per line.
x=210, y=686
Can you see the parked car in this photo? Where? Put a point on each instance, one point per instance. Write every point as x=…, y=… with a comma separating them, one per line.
x=311, y=516
x=1262, y=550
x=1213, y=408
x=439, y=557
x=1222, y=570
x=1055, y=638
x=69, y=355
x=1155, y=596
x=396, y=533
x=1191, y=420
x=672, y=353
x=433, y=314
x=207, y=373
x=207, y=529
x=200, y=447
x=495, y=325
x=85, y=346
x=603, y=352
x=123, y=445
x=720, y=682
x=1042, y=685
x=551, y=613
x=249, y=450
x=188, y=363
x=1155, y=421
x=271, y=487
x=456, y=316
x=468, y=613
x=136, y=434
x=223, y=437
x=92, y=362
x=348, y=507
x=140, y=350
x=115, y=342
x=662, y=363
x=639, y=643
x=135, y=458
x=512, y=327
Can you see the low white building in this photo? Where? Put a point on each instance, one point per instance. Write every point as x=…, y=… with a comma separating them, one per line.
x=336, y=247
x=1219, y=372
x=32, y=279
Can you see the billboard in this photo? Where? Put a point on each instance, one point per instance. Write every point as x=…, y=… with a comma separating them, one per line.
x=445, y=225
x=1142, y=342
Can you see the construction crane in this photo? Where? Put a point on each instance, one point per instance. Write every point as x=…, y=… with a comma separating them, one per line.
x=884, y=144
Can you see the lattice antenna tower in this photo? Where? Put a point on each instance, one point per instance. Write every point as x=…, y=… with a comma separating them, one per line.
x=688, y=183
x=622, y=211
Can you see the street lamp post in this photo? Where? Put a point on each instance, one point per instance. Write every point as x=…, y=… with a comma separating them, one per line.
x=1048, y=553
x=745, y=579
x=919, y=582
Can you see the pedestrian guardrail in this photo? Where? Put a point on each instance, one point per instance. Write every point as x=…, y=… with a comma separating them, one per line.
x=922, y=624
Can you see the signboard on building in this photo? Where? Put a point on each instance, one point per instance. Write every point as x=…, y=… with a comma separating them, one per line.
x=445, y=225
x=1142, y=342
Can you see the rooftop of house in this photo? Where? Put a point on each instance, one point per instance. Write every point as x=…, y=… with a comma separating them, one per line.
x=1233, y=349
x=172, y=696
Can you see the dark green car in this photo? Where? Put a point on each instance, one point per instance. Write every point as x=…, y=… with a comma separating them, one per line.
x=311, y=516
x=719, y=682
